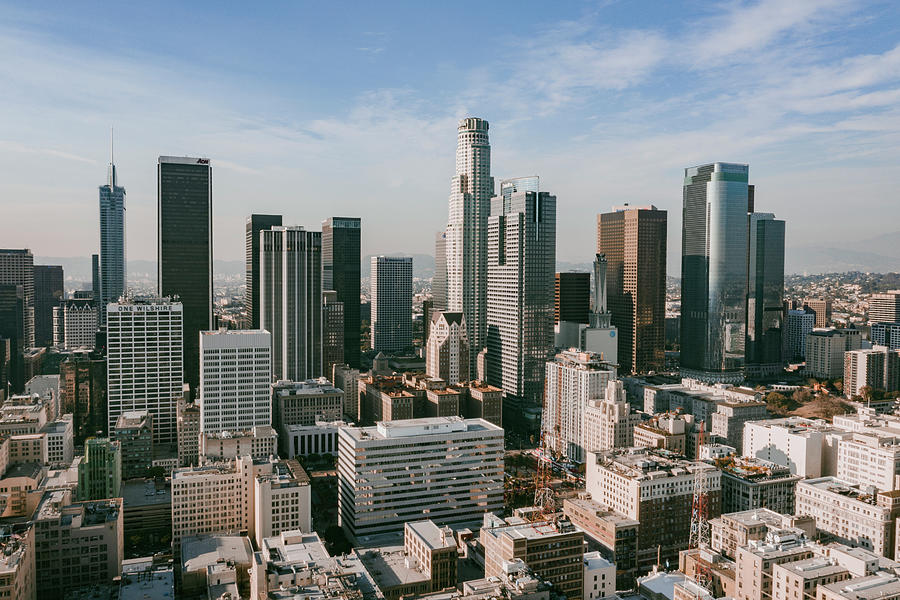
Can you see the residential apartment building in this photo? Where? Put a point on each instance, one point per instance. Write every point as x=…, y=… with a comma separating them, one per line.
x=875, y=368
x=822, y=308
x=825, y=350
x=448, y=468
x=808, y=447
x=885, y=334
x=885, y=308
x=573, y=381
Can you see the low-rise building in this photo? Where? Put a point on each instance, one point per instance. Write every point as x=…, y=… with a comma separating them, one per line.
x=750, y=483
x=554, y=550
x=729, y=418
x=60, y=441
x=665, y=432
x=304, y=402
x=482, y=401
x=754, y=563
x=446, y=468
x=805, y=576
x=282, y=501
x=209, y=563
x=259, y=442
x=599, y=577
x=615, y=534
x=17, y=564
x=77, y=544
x=303, y=440
x=733, y=530
x=850, y=514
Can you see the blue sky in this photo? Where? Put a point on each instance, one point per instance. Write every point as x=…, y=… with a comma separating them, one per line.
x=350, y=109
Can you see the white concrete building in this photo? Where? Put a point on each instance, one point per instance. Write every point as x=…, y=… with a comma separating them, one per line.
x=144, y=362
x=825, y=351
x=884, y=308
x=807, y=446
x=609, y=422
x=599, y=576
x=447, y=353
x=465, y=245
x=60, y=441
x=283, y=501
x=75, y=324
x=877, y=367
x=849, y=513
x=259, y=442
x=235, y=379
x=303, y=440
x=870, y=460
x=575, y=380
x=346, y=378
x=447, y=469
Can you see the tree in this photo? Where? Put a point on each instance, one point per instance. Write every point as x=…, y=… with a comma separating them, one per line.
x=778, y=403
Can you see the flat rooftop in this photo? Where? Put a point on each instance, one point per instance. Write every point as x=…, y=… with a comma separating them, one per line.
x=420, y=427
x=755, y=517
x=433, y=536
x=644, y=463
x=872, y=587
x=388, y=566
x=199, y=552
x=518, y=528
x=137, y=493
x=310, y=387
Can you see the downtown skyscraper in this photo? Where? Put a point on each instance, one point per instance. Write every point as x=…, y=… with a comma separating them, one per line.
x=392, y=292
x=255, y=224
x=520, y=290
x=633, y=241
x=716, y=200
x=290, y=299
x=49, y=291
x=466, y=241
x=185, y=249
x=765, y=295
x=112, y=267
x=341, y=273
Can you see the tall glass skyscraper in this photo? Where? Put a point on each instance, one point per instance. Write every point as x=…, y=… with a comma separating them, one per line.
x=392, y=291
x=520, y=300
x=471, y=191
x=714, y=271
x=112, y=241
x=341, y=273
x=255, y=224
x=185, y=249
x=49, y=291
x=765, y=297
x=290, y=300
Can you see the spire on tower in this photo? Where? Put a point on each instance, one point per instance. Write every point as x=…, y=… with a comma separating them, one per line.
x=112, y=160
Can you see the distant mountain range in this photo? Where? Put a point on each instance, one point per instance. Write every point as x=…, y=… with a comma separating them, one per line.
x=880, y=254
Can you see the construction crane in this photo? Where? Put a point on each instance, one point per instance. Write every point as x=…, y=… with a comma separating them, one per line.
x=699, y=537
x=544, y=495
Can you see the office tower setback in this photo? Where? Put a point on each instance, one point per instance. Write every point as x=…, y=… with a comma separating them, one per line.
x=884, y=308
x=447, y=352
x=112, y=241
x=17, y=268
x=49, y=291
x=633, y=240
x=391, y=285
x=439, y=281
x=255, y=224
x=521, y=267
x=573, y=297
x=291, y=300
x=454, y=475
x=236, y=373
x=765, y=295
x=333, y=316
x=75, y=324
x=714, y=271
x=471, y=190
x=185, y=251
x=144, y=353
x=341, y=273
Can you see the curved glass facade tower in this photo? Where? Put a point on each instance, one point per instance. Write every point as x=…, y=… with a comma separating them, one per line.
x=466, y=236
x=714, y=271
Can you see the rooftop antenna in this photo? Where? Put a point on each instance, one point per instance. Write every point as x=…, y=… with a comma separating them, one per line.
x=112, y=160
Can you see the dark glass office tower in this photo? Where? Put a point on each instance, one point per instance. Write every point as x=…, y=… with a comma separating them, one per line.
x=714, y=272
x=765, y=287
x=340, y=272
x=255, y=224
x=573, y=297
x=185, y=249
x=48, y=292
x=112, y=242
x=12, y=328
x=95, y=276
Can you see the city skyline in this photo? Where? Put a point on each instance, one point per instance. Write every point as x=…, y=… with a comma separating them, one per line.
x=825, y=119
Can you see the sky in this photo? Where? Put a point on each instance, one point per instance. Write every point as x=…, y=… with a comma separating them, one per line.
x=313, y=110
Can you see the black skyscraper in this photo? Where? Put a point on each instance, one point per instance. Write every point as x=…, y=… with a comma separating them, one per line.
x=255, y=224
x=185, y=249
x=340, y=272
x=95, y=277
x=48, y=292
x=12, y=328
